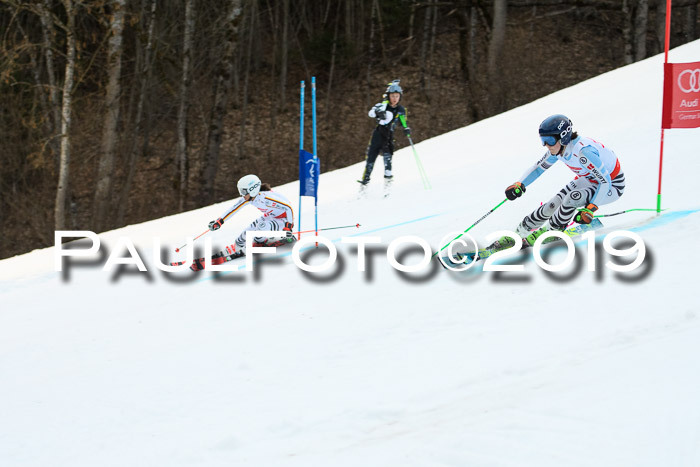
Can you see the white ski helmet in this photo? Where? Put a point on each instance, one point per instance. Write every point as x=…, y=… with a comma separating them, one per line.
x=249, y=185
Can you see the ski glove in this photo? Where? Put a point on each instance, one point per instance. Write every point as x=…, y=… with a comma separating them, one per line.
x=516, y=190
x=586, y=216
x=216, y=225
x=288, y=226
x=379, y=112
x=407, y=131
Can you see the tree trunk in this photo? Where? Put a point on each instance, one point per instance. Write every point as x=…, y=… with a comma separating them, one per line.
x=641, y=18
x=431, y=50
x=105, y=170
x=222, y=85
x=424, y=51
x=273, y=28
x=64, y=165
x=332, y=67
x=183, y=106
x=692, y=22
x=39, y=94
x=349, y=27
x=244, y=110
x=498, y=36
x=627, y=32
x=659, y=26
x=370, y=58
x=411, y=39
x=284, y=55
x=381, y=29
x=476, y=86
x=49, y=36
x=463, y=31
x=144, y=78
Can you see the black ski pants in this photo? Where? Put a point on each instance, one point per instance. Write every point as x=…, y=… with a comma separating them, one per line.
x=378, y=143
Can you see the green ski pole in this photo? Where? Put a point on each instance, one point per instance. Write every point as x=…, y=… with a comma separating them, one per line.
x=621, y=212
x=470, y=227
x=421, y=170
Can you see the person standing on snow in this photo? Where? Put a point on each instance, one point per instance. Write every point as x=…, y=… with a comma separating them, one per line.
x=387, y=113
x=277, y=214
x=599, y=180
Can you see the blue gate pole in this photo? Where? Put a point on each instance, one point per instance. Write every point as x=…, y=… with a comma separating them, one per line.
x=301, y=146
x=313, y=113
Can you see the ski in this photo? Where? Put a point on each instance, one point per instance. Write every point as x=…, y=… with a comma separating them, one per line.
x=221, y=257
x=230, y=254
x=387, y=186
x=464, y=258
x=362, y=193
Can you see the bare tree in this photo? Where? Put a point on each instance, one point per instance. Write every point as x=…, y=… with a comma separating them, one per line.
x=381, y=29
x=244, y=109
x=182, y=159
x=641, y=18
x=370, y=56
x=628, y=56
x=143, y=79
x=39, y=93
x=659, y=26
x=424, y=50
x=222, y=85
x=284, y=55
x=411, y=39
x=67, y=106
x=49, y=37
x=498, y=36
x=332, y=66
x=105, y=170
x=692, y=21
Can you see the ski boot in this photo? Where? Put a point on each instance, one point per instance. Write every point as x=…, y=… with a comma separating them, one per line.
x=501, y=244
x=388, y=181
x=532, y=238
x=363, y=187
x=508, y=242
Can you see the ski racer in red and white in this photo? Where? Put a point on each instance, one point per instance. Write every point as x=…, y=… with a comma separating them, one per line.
x=277, y=214
x=599, y=179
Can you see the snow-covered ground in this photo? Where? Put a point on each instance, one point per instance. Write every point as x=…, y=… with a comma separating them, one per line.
x=379, y=368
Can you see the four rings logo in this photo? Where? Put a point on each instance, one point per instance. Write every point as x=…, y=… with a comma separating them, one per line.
x=689, y=81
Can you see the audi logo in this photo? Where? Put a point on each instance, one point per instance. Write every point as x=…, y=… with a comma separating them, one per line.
x=689, y=81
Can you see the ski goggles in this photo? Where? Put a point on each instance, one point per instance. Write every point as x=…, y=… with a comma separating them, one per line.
x=549, y=140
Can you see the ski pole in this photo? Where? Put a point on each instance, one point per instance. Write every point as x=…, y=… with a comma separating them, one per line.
x=421, y=170
x=177, y=250
x=622, y=212
x=470, y=227
x=327, y=228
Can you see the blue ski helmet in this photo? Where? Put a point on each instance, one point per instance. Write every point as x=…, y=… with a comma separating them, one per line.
x=394, y=87
x=559, y=126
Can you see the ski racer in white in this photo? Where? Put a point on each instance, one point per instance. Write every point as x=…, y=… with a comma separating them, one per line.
x=276, y=209
x=599, y=179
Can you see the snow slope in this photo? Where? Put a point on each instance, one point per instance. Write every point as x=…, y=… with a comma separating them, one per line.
x=378, y=368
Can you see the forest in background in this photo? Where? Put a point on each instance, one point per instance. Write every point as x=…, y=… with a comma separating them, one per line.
x=114, y=112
